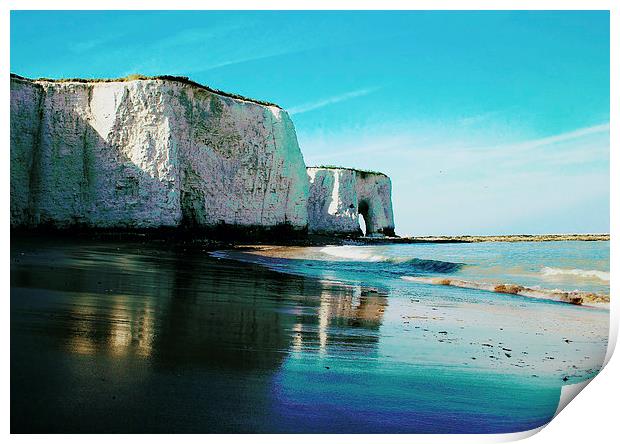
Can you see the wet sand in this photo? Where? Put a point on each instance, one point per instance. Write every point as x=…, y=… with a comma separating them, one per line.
x=161, y=337
x=500, y=331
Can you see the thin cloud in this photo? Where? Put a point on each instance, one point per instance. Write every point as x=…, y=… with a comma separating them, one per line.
x=512, y=148
x=304, y=108
x=577, y=146
x=200, y=36
x=83, y=46
x=217, y=59
x=477, y=119
x=564, y=137
x=245, y=59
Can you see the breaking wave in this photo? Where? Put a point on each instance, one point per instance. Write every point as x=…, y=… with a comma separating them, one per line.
x=354, y=254
x=575, y=297
x=351, y=263
x=595, y=274
x=431, y=266
x=416, y=264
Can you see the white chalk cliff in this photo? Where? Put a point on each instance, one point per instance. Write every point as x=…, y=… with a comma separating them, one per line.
x=151, y=153
x=167, y=152
x=339, y=195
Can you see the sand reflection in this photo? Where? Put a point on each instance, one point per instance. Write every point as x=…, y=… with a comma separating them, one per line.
x=181, y=307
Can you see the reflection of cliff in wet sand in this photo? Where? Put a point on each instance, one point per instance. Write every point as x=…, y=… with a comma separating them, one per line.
x=150, y=331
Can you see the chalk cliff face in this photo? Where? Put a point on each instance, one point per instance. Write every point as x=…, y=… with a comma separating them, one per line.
x=151, y=153
x=339, y=195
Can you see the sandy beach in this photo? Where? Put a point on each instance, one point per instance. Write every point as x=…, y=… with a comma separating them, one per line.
x=120, y=335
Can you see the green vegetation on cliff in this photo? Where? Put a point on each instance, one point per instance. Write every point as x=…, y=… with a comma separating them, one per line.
x=362, y=172
x=131, y=77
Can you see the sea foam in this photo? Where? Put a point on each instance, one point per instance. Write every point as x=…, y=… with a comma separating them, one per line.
x=575, y=297
x=596, y=274
x=353, y=253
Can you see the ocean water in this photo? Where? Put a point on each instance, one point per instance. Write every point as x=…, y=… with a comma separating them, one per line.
x=170, y=337
x=569, y=266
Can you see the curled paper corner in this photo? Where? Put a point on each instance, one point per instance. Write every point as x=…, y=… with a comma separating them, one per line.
x=568, y=393
x=613, y=339
x=518, y=436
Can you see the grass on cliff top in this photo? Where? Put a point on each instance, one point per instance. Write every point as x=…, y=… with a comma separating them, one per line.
x=180, y=79
x=357, y=170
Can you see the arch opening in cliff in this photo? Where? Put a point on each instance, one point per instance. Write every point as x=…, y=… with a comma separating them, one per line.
x=363, y=216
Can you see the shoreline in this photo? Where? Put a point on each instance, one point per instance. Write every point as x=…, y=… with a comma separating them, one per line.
x=575, y=297
x=580, y=298
x=235, y=237
x=128, y=308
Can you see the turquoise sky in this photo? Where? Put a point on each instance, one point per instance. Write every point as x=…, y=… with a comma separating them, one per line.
x=487, y=122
